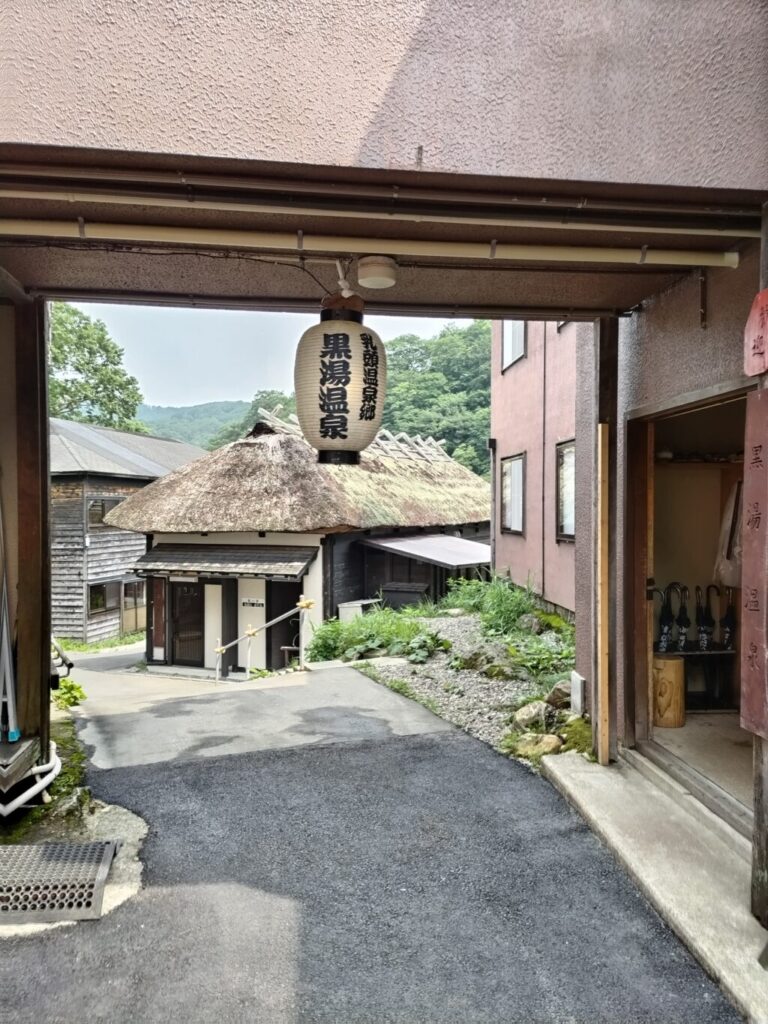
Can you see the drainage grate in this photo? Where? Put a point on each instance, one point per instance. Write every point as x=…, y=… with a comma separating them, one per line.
x=53, y=881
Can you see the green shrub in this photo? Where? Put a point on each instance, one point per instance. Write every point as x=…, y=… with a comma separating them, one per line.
x=499, y=602
x=68, y=695
x=380, y=632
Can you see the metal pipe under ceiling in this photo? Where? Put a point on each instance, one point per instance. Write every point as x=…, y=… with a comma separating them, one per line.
x=299, y=243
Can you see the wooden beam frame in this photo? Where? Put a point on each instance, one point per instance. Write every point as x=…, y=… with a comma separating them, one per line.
x=603, y=718
x=33, y=637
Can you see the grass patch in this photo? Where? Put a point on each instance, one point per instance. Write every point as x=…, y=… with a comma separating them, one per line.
x=71, y=776
x=377, y=633
x=405, y=689
x=80, y=647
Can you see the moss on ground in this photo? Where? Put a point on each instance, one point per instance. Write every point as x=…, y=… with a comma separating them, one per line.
x=578, y=736
x=27, y=824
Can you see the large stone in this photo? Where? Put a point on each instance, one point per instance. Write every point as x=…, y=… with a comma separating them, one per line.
x=560, y=694
x=530, y=715
x=529, y=623
x=536, y=744
x=455, y=612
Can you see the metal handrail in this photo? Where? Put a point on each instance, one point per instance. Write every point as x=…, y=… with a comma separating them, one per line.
x=303, y=604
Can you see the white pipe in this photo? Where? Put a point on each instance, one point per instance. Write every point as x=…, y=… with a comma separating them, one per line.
x=287, y=241
x=392, y=216
x=52, y=768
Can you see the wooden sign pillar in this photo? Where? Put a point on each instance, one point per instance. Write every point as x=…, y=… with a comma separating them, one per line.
x=754, y=652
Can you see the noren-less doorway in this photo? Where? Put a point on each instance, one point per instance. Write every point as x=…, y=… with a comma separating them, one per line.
x=684, y=519
x=188, y=613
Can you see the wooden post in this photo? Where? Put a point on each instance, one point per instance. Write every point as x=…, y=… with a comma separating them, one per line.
x=760, y=745
x=33, y=638
x=603, y=716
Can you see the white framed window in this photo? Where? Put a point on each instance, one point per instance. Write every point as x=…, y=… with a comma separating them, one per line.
x=513, y=494
x=566, y=491
x=513, y=342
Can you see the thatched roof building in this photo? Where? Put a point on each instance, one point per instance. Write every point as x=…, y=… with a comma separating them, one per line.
x=272, y=482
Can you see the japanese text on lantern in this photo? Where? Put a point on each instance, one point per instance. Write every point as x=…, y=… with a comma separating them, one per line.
x=335, y=375
x=370, y=378
x=754, y=582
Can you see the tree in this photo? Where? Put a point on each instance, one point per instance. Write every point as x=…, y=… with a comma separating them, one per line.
x=87, y=379
x=441, y=387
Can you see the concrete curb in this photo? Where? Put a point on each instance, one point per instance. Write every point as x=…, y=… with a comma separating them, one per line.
x=693, y=879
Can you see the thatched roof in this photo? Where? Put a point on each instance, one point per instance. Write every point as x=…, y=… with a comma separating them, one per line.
x=273, y=482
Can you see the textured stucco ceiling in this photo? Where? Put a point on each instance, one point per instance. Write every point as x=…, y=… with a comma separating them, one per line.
x=639, y=91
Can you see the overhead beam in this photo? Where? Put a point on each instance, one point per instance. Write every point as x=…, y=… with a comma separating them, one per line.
x=549, y=221
x=292, y=305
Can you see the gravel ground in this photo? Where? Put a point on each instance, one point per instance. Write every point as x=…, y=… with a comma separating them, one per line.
x=465, y=697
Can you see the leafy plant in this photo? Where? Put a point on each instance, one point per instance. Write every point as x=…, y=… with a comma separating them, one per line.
x=68, y=695
x=260, y=673
x=379, y=632
x=544, y=654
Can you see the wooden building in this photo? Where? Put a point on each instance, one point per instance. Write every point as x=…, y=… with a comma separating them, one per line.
x=237, y=537
x=94, y=592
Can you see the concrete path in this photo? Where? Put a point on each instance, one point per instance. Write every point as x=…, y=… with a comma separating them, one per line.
x=322, y=850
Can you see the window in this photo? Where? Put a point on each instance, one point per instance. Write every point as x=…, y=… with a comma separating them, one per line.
x=512, y=487
x=513, y=341
x=134, y=595
x=103, y=597
x=566, y=490
x=98, y=508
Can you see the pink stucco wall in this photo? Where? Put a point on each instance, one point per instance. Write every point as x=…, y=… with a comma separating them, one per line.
x=534, y=89
x=532, y=411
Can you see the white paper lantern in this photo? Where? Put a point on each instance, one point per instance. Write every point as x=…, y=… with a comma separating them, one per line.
x=340, y=378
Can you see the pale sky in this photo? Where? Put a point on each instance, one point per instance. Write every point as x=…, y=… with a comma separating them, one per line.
x=189, y=356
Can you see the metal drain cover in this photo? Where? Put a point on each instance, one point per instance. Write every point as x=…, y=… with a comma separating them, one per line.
x=53, y=881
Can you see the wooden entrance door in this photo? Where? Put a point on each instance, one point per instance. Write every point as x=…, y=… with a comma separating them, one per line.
x=188, y=615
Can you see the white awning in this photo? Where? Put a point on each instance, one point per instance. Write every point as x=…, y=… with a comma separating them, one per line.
x=435, y=548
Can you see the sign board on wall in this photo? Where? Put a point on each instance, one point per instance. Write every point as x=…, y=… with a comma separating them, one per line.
x=756, y=336
x=754, y=578
x=252, y=602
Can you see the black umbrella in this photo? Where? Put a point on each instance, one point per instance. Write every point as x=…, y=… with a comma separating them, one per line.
x=705, y=620
x=728, y=622
x=683, y=619
x=666, y=620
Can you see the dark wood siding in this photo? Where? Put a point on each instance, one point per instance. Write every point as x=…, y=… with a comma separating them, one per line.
x=345, y=571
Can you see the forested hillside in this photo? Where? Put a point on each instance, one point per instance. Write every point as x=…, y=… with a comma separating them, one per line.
x=195, y=424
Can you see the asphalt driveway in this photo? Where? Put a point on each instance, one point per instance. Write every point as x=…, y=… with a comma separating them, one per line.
x=323, y=850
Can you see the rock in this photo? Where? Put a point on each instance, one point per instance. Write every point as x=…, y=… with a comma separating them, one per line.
x=531, y=714
x=560, y=694
x=536, y=744
x=530, y=623
x=71, y=804
x=455, y=612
